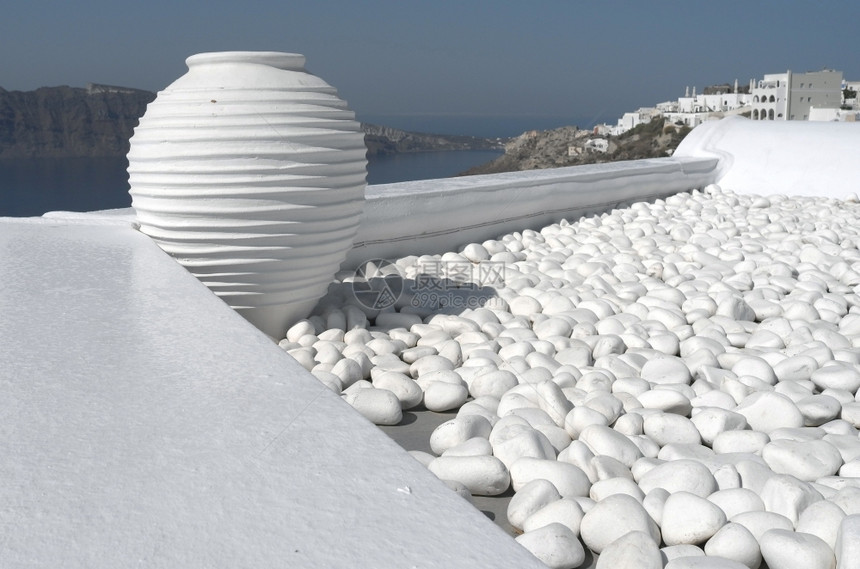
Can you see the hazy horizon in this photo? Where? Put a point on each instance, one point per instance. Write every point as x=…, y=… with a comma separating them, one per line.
x=545, y=61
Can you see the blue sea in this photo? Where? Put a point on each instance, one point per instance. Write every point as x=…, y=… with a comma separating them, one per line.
x=34, y=186
x=31, y=187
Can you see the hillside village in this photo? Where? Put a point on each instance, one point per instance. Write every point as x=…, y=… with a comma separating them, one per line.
x=651, y=132
x=817, y=96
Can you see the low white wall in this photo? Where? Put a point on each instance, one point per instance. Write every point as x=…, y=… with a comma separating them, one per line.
x=434, y=216
x=779, y=157
x=145, y=424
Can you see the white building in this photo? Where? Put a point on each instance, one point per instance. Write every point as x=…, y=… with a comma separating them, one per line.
x=631, y=120
x=779, y=96
x=694, y=110
x=597, y=145
x=844, y=115
x=790, y=96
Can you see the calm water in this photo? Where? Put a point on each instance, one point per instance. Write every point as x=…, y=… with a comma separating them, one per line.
x=33, y=186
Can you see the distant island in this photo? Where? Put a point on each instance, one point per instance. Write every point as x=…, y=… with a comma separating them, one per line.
x=98, y=120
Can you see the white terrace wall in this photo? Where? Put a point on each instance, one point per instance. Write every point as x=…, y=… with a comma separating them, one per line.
x=434, y=216
x=780, y=157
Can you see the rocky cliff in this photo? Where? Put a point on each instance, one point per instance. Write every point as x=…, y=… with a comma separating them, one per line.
x=65, y=122
x=571, y=146
x=385, y=140
x=69, y=122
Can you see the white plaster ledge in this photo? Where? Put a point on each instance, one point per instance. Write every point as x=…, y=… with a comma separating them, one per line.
x=145, y=424
x=433, y=216
x=779, y=157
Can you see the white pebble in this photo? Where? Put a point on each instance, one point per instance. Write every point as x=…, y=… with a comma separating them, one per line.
x=482, y=475
x=579, y=418
x=457, y=431
x=634, y=549
x=618, y=485
x=680, y=476
x=734, y=541
x=429, y=364
x=442, y=396
x=516, y=442
x=740, y=441
x=554, y=545
x=476, y=252
x=529, y=499
x=404, y=388
x=768, y=411
x=299, y=329
x=760, y=522
x=837, y=376
x=690, y=519
x=614, y=517
x=671, y=552
x=806, y=460
x=822, y=519
x=568, y=479
x=654, y=503
x=795, y=550
x=666, y=370
x=494, y=383
x=476, y=446
x=668, y=428
x=848, y=543
x=713, y=421
x=348, y=370
x=565, y=511
x=601, y=439
x=379, y=406
x=734, y=501
x=788, y=496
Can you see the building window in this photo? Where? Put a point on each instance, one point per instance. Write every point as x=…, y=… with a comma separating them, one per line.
x=755, y=114
x=755, y=99
x=770, y=114
x=772, y=99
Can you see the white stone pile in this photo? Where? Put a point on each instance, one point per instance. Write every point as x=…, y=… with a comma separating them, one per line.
x=672, y=385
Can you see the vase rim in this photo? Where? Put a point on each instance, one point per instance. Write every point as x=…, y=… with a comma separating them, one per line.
x=278, y=59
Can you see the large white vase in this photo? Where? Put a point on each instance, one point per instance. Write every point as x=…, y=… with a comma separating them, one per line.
x=251, y=173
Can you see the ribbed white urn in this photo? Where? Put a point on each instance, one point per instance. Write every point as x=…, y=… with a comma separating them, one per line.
x=251, y=173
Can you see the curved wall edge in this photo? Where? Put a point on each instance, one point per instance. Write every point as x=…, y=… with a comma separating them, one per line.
x=433, y=216
x=779, y=157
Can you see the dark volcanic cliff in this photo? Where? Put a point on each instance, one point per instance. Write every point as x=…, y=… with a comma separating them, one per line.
x=66, y=122
x=385, y=140
x=60, y=122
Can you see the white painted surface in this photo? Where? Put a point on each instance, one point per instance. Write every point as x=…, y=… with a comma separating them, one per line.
x=780, y=157
x=145, y=424
x=432, y=216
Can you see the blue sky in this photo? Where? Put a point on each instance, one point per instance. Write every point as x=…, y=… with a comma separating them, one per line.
x=576, y=59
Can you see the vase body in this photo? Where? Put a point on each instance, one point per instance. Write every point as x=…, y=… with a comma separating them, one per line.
x=251, y=173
